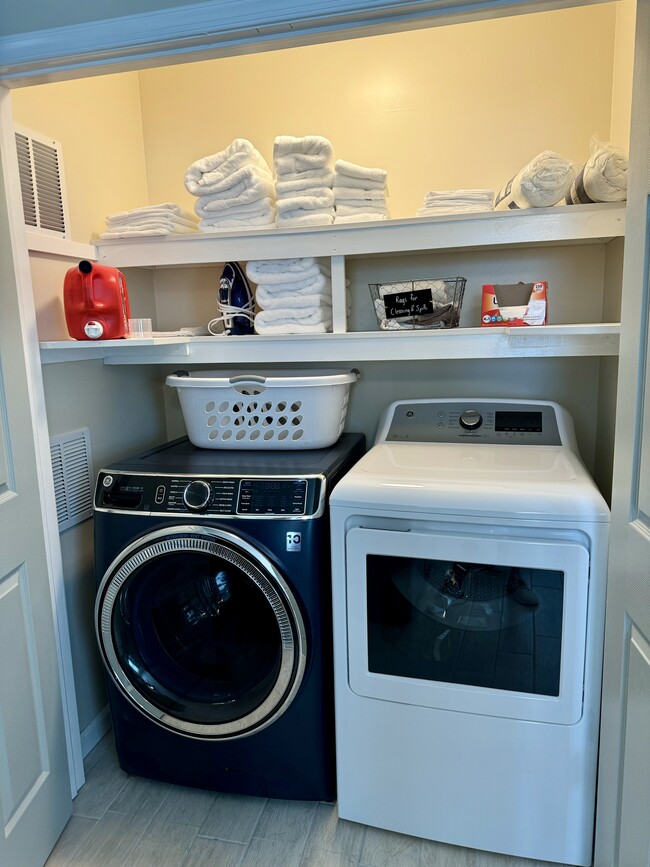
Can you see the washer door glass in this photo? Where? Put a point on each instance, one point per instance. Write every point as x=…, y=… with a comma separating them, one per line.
x=201, y=632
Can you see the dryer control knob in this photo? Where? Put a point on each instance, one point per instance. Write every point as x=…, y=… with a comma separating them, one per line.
x=196, y=495
x=471, y=419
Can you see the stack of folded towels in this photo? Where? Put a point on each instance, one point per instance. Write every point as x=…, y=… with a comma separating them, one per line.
x=294, y=296
x=303, y=181
x=359, y=193
x=234, y=189
x=440, y=202
x=164, y=219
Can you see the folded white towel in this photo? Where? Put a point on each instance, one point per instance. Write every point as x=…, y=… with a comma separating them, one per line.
x=543, y=182
x=321, y=200
x=248, y=175
x=262, y=190
x=353, y=170
x=244, y=209
x=348, y=210
x=258, y=267
x=262, y=276
x=603, y=178
x=303, y=285
x=306, y=144
x=261, y=221
x=349, y=183
x=287, y=167
x=222, y=164
x=312, y=315
x=461, y=197
x=289, y=300
x=144, y=231
x=304, y=218
x=451, y=210
x=308, y=193
x=321, y=178
x=346, y=194
x=291, y=326
x=169, y=221
x=166, y=210
x=361, y=217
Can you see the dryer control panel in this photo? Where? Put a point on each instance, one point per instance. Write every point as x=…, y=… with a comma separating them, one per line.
x=477, y=420
x=225, y=496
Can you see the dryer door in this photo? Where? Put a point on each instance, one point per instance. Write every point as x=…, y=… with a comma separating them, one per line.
x=201, y=632
x=467, y=622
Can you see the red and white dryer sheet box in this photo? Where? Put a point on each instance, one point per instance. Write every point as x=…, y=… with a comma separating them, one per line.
x=514, y=304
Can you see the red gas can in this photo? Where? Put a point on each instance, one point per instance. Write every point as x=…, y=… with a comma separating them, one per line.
x=96, y=302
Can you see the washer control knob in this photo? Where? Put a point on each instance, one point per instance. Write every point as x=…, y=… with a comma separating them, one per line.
x=471, y=419
x=196, y=495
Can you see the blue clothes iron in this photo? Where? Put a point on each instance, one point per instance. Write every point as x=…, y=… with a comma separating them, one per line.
x=235, y=300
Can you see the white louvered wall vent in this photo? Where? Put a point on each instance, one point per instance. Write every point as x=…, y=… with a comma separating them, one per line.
x=40, y=164
x=73, y=477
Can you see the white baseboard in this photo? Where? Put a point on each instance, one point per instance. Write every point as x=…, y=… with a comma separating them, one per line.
x=95, y=731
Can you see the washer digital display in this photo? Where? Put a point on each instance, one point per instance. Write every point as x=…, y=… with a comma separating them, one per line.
x=272, y=497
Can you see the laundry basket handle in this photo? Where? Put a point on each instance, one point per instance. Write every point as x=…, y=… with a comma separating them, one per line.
x=247, y=377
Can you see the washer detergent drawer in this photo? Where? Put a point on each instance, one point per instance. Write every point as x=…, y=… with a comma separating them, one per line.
x=468, y=623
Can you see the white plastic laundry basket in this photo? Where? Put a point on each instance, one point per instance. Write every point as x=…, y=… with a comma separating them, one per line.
x=289, y=409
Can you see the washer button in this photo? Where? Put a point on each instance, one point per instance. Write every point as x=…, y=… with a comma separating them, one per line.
x=160, y=494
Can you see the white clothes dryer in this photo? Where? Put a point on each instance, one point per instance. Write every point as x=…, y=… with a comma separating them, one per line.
x=469, y=550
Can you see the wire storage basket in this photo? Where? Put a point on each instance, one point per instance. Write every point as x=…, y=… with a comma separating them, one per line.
x=290, y=409
x=412, y=304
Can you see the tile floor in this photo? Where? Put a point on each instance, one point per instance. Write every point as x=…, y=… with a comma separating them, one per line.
x=123, y=821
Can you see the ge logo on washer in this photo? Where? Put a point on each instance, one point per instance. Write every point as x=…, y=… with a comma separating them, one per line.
x=294, y=541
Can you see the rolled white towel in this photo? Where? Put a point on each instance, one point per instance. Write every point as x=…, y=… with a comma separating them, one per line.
x=220, y=165
x=347, y=182
x=543, y=182
x=361, y=217
x=306, y=144
x=304, y=218
x=206, y=205
x=352, y=170
x=603, y=178
x=345, y=194
x=321, y=200
x=289, y=284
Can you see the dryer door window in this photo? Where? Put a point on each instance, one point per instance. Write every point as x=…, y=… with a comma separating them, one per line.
x=468, y=623
x=201, y=632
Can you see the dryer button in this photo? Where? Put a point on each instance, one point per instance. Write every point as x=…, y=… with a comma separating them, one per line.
x=160, y=494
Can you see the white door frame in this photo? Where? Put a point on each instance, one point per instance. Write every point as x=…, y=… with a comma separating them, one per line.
x=36, y=397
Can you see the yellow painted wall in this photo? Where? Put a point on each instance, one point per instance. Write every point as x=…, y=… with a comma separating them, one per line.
x=98, y=122
x=441, y=108
x=457, y=106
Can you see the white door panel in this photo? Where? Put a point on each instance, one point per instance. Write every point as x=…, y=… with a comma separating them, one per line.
x=35, y=797
x=622, y=830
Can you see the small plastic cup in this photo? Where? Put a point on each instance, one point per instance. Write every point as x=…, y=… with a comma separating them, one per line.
x=139, y=328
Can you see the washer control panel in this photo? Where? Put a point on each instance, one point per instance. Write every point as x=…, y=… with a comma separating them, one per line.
x=226, y=496
x=440, y=421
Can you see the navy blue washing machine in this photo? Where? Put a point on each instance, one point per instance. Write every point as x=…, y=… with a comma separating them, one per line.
x=213, y=615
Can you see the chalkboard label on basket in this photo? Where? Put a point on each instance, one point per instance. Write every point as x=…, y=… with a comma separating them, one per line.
x=398, y=305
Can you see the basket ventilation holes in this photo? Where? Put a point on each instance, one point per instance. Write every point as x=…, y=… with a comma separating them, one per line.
x=210, y=405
